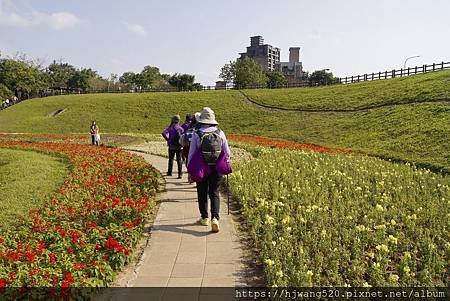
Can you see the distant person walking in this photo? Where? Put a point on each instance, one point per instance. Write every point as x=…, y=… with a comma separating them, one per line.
x=172, y=135
x=187, y=123
x=186, y=140
x=209, y=144
x=95, y=133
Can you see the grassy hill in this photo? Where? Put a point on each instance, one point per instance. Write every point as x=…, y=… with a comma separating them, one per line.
x=416, y=132
x=419, y=88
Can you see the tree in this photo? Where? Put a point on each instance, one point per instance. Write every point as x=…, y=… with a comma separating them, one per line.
x=249, y=73
x=275, y=79
x=228, y=72
x=5, y=93
x=23, y=78
x=151, y=77
x=59, y=74
x=183, y=82
x=322, y=77
x=129, y=79
x=80, y=79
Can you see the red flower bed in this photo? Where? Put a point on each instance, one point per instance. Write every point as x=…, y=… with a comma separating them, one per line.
x=286, y=144
x=88, y=228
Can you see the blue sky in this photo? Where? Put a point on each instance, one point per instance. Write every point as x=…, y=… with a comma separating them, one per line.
x=198, y=36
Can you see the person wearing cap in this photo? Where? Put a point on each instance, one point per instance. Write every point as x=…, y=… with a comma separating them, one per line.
x=172, y=135
x=209, y=186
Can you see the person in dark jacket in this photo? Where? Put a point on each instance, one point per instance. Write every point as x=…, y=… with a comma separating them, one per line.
x=172, y=135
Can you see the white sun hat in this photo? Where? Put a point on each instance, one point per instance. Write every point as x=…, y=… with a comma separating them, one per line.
x=207, y=116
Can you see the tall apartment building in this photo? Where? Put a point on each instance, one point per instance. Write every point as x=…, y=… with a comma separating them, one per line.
x=292, y=70
x=265, y=55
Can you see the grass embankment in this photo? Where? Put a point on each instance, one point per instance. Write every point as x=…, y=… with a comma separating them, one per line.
x=336, y=220
x=416, y=132
x=421, y=88
x=25, y=177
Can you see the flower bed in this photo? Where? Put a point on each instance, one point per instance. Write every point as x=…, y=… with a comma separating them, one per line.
x=285, y=144
x=334, y=220
x=87, y=229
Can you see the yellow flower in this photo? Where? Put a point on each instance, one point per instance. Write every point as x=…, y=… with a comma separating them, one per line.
x=280, y=273
x=392, y=239
x=378, y=207
x=286, y=220
x=269, y=262
x=309, y=273
x=393, y=222
x=383, y=248
x=393, y=278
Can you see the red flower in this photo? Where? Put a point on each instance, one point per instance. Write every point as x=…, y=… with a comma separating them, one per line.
x=79, y=266
x=61, y=232
x=91, y=225
x=13, y=256
x=112, y=179
x=2, y=283
x=98, y=247
x=70, y=250
x=40, y=248
x=128, y=225
x=68, y=277
x=52, y=258
x=29, y=256
x=75, y=236
x=1, y=239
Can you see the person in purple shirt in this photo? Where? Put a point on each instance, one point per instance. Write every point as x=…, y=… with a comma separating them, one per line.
x=209, y=186
x=187, y=123
x=172, y=135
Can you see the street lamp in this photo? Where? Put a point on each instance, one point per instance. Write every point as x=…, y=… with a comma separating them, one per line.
x=408, y=58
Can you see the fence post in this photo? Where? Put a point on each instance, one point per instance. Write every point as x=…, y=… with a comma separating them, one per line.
x=424, y=68
x=434, y=66
x=408, y=71
x=385, y=74
x=379, y=75
x=415, y=70
x=393, y=73
x=352, y=80
x=442, y=66
x=401, y=72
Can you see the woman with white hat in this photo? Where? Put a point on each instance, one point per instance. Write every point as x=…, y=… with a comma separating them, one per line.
x=212, y=142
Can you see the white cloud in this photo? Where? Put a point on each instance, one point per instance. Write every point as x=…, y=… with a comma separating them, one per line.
x=136, y=29
x=10, y=16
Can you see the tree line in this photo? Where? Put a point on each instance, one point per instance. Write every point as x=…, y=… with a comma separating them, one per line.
x=248, y=73
x=26, y=78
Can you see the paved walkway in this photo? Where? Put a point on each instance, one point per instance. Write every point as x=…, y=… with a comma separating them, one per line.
x=182, y=253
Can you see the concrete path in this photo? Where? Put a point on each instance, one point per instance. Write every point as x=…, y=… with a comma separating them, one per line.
x=182, y=253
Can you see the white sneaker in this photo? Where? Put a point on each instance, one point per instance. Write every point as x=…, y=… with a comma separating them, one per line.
x=215, y=225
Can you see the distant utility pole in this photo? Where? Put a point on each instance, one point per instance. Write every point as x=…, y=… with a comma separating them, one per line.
x=408, y=58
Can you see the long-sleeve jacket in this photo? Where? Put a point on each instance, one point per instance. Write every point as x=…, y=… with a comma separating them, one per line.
x=171, y=133
x=195, y=142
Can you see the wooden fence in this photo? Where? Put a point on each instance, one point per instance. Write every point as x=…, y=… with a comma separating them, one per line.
x=394, y=73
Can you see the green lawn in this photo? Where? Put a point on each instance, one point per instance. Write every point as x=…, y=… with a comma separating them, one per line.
x=25, y=177
x=419, y=88
x=415, y=132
